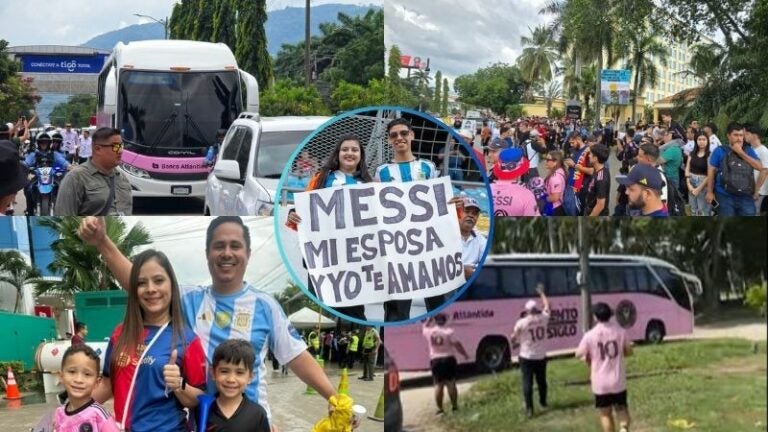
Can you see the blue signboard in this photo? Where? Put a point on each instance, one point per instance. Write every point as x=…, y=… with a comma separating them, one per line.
x=89, y=64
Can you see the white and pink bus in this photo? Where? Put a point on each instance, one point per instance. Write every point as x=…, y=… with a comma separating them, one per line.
x=169, y=98
x=650, y=297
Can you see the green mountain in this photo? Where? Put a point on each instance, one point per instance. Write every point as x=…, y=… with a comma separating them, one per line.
x=284, y=26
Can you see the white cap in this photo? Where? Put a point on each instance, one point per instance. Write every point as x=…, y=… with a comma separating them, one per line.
x=530, y=305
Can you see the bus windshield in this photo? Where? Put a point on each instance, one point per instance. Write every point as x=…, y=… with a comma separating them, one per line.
x=175, y=113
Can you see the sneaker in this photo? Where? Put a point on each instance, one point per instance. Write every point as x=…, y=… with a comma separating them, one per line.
x=440, y=412
x=529, y=413
x=624, y=429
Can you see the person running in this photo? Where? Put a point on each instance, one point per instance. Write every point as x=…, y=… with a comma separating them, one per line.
x=211, y=310
x=344, y=166
x=442, y=354
x=604, y=348
x=531, y=332
x=147, y=353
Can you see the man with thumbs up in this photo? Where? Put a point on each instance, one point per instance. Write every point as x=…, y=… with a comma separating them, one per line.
x=230, y=308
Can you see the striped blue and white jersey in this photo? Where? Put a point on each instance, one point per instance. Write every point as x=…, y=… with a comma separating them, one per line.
x=404, y=172
x=249, y=314
x=338, y=178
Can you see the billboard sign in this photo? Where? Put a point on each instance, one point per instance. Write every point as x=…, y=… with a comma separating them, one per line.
x=88, y=64
x=614, y=86
x=412, y=62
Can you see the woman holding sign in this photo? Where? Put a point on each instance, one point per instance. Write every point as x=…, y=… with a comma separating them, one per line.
x=148, y=352
x=345, y=166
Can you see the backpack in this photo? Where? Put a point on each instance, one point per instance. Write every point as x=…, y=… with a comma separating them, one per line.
x=737, y=176
x=675, y=201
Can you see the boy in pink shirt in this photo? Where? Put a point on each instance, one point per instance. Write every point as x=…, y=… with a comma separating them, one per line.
x=604, y=349
x=442, y=354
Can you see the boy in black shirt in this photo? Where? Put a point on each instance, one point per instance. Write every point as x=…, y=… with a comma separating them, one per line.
x=600, y=184
x=232, y=371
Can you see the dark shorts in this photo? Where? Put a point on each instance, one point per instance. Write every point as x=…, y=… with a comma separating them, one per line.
x=611, y=400
x=444, y=368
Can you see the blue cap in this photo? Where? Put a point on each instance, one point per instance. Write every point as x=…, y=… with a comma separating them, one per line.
x=644, y=175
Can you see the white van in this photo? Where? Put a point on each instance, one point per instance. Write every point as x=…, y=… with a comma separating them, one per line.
x=250, y=162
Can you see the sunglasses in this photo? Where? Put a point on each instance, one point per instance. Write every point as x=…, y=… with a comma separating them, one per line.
x=550, y=159
x=402, y=133
x=116, y=147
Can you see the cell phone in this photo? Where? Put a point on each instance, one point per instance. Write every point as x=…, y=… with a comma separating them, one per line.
x=715, y=204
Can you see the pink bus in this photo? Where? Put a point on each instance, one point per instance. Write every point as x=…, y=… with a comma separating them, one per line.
x=650, y=297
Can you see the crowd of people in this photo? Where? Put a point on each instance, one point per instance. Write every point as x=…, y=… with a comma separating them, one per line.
x=346, y=348
x=697, y=174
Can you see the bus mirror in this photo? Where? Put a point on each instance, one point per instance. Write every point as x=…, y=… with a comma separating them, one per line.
x=252, y=92
x=227, y=170
x=110, y=93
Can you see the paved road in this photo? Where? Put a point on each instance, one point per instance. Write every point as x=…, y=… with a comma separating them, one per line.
x=292, y=410
x=144, y=206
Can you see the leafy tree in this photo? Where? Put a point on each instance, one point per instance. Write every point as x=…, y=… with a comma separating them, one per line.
x=285, y=98
x=644, y=51
x=17, y=95
x=182, y=20
x=204, y=20
x=494, y=87
x=224, y=24
x=444, y=104
x=537, y=61
x=80, y=265
x=251, y=50
x=77, y=110
x=293, y=299
x=551, y=91
x=15, y=271
x=437, y=101
x=347, y=96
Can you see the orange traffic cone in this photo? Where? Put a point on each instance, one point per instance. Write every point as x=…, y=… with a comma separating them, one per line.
x=12, y=389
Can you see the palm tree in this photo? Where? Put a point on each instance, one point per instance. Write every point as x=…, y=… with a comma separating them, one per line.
x=537, y=60
x=644, y=52
x=80, y=265
x=551, y=91
x=15, y=271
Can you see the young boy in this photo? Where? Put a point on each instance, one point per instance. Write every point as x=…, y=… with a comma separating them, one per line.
x=80, y=374
x=232, y=371
x=604, y=348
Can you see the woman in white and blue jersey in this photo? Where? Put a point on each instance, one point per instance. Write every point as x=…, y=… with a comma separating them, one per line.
x=344, y=166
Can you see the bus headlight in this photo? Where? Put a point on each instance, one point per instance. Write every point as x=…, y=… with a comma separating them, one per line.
x=132, y=170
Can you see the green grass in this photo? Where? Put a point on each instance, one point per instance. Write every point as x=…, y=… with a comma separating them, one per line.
x=720, y=385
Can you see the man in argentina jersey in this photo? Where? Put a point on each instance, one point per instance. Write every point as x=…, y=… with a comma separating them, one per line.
x=231, y=308
x=404, y=168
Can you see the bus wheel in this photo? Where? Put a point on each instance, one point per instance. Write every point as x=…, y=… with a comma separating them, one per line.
x=655, y=332
x=493, y=354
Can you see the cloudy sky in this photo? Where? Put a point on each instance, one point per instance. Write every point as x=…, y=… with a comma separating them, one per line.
x=183, y=240
x=460, y=36
x=73, y=22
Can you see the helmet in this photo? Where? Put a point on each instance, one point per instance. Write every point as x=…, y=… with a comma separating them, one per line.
x=56, y=137
x=43, y=136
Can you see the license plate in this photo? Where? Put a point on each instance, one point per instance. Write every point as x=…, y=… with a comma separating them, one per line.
x=181, y=190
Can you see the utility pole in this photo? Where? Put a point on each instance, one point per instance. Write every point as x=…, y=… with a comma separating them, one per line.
x=307, y=37
x=583, y=279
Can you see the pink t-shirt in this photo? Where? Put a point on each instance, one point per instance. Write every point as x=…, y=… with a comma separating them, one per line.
x=603, y=347
x=91, y=414
x=531, y=332
x=513, y=199
x=556, y=184
x=440, y=341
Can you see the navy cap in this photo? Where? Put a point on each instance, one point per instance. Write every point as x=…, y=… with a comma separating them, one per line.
x=644, y=175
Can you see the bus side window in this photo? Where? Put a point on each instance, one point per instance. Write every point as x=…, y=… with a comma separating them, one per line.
x=512, y=283
x=630, y=279
x=597, y=280
x=557, y=281
x=615, y=279
x=486, y=286
x=533, y=277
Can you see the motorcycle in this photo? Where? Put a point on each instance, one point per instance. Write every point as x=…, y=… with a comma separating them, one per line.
x=47, y=180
